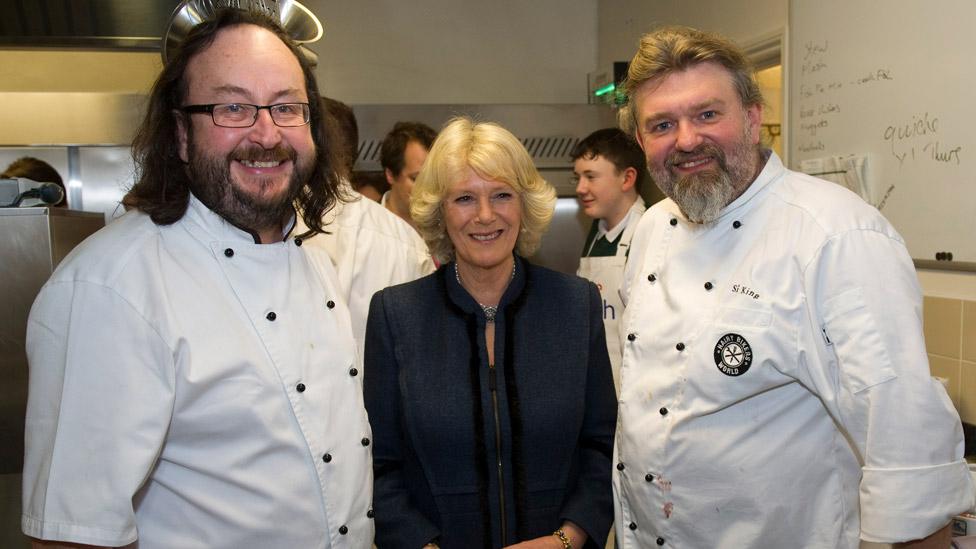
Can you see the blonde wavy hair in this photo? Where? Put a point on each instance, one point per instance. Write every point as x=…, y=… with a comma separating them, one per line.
x=493, y=153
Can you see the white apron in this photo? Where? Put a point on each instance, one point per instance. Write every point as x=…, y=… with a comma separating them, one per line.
x=607, y=273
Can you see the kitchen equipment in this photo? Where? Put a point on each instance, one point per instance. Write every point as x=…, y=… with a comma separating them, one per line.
x=24, y=192
x=300, y=23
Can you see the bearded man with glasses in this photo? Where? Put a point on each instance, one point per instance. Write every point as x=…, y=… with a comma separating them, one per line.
x=193, y=377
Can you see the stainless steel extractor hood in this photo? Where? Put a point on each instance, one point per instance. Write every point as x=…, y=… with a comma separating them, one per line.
x=131, y=24
x=109, y=24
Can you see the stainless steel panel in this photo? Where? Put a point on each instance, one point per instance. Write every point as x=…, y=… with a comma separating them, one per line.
x=562, y=244
x=32, y=243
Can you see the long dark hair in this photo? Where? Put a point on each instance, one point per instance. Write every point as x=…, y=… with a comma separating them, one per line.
x=162, y=188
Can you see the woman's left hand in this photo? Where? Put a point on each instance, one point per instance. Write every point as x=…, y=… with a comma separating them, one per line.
x=544, y=542
x=575, y=534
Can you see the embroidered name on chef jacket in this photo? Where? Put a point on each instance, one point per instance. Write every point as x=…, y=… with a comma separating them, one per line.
x=733, y=355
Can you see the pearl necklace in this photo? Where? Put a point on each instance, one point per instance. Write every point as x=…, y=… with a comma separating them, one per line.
x=489, y=310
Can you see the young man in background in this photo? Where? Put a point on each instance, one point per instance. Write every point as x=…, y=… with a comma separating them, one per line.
x=610, y=168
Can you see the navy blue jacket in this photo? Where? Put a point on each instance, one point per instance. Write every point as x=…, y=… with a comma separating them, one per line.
x=427, y=387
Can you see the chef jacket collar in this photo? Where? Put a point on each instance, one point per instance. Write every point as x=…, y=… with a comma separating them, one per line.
x=463, y=300
x=220, y=229
x=771, y=171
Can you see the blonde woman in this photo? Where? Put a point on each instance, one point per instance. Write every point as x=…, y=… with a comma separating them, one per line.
x=487, y=383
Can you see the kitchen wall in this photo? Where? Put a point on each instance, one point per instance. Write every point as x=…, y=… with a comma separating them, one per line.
x=77, y=71
x=621, y=22
x=950, y=336
x=449, y=51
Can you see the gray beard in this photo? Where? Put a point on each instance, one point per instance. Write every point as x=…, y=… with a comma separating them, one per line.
x=210, y=182
x=702, y=196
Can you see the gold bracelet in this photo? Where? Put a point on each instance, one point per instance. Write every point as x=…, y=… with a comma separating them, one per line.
x=563, y=538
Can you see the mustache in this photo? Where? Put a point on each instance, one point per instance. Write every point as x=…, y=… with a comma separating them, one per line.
x=279, y=153
x=705, y=150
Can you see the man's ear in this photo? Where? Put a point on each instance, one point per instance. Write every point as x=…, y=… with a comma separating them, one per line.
x=182, y=133
x=754, y=116
x=389, y=176
x=630, y=179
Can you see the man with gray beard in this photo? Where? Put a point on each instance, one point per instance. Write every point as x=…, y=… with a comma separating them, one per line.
x=770, y=377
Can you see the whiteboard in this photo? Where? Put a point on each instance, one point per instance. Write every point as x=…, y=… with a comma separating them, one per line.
x=893, y=82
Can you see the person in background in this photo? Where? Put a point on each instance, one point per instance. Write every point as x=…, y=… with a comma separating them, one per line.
x=610, y=170
x=488, y=384
x=192, y=380
x=36, y=170
x=402, y=154
x=775, y=385
x=372, y=185
x=368, y=246
x=343, y=119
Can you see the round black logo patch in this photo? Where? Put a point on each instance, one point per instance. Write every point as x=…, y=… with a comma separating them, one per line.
x=733, y=355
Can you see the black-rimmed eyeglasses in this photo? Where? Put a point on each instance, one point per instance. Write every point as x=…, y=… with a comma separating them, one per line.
x=244, y=115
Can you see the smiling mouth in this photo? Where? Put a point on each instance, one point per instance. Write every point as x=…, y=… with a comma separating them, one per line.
x=692, y=163
x=260, y=164
x=258, y=158
x=487, y=237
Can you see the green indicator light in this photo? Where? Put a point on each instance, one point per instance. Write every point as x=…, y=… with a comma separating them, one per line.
x=605, y=90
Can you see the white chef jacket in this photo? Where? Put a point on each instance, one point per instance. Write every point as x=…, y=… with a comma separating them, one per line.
x=370, y=248
x=194, y=389
x=775, y=385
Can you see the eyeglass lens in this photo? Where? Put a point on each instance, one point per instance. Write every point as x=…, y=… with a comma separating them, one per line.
x=239, y=115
